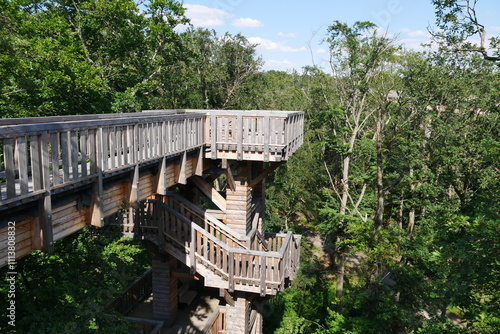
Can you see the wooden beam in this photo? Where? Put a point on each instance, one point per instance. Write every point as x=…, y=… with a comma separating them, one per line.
x=229, y=174
x=264, y=173
x=182, y=178
x=160, y=177
x=210, y=192
x=96, y=212
x=45, y=204
x=199, y=162
x=184, y=275
x=227, y=296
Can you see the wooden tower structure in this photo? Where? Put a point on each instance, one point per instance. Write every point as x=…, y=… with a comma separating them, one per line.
x=189, y=182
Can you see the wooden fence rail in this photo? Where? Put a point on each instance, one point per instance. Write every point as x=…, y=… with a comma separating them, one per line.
x=133, y=294
x=216, y=324
x=254, y=135
x=265, y=271
x=44, y=157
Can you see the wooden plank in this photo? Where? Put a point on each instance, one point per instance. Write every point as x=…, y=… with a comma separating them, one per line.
x=262, y=275
x=214, y=131
x=83, y=150
x=36, y=163
x=74, y=155
x=96, y=213
x=210, y=192
x=45, y=204
x=65, y=156
x=8, y=151
x=105, y=148
x=21, y=148
x=182, y=177
x=12, y=131
x=54, y=144
x=239, y=138
x=231, y=272
x=112, y=147
x=266, y=132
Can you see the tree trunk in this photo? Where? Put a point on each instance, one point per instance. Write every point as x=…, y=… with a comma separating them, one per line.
x=379, y=215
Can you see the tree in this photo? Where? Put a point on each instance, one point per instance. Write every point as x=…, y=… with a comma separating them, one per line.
x=86, y=56
x=458, y=21
x=358, y=58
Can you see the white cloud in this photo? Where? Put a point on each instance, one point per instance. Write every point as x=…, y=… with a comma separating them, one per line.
x=279, y=65
x=203, y=16
x=270, y=45
x=418, y=33
x=291, y=34
x=247, y=23
x=321, y=51
x=493, y=29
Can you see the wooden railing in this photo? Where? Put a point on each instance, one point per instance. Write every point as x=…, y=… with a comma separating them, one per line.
x=254, y=135
x=216, y=324
x=42, y=155
x=260, y=271
x=133, y=294
x=146, y=326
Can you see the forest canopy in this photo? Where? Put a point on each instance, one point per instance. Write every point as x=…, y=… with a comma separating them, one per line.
x=396, y=185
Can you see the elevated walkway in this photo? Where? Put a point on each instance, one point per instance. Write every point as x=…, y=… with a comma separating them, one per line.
x=59, y=174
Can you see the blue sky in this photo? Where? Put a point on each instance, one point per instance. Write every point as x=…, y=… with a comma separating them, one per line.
x=290, y=33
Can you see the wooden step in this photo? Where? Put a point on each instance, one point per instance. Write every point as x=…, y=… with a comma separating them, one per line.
x=186, y=296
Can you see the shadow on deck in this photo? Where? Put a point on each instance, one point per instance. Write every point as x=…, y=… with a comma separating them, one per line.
x=191, y=319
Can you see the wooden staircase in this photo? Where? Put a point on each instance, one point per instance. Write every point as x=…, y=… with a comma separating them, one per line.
x=255, y=263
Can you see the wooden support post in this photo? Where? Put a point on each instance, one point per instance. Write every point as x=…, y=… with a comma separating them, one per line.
x=97, y=218
x=227, y=296
x=236, y=315
x=265, y=173
x=229, y=174
x=239, y=138
x=182, y=177
x=45, y=204
x=210, y=192
x=199, y=162
x=263, y=274
x=165, y=295
x=9, y=167
x=160, y=177
x=192, y=250
x=231, y=271
x=213, y=144
x=267, y=130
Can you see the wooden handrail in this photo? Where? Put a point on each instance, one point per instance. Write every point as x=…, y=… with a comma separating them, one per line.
x=216, y=324
x=264, y=269
x=133, y=294
x=69, y=152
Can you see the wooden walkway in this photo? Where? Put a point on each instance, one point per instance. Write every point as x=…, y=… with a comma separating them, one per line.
x=58, y=174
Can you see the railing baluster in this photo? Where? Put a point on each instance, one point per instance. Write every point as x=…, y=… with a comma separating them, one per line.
x=23, y=164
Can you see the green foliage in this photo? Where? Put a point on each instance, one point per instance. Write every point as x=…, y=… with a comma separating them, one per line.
x=458, y=21
x=67, y=291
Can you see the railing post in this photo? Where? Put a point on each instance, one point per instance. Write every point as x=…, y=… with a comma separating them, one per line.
x=8, y=151
x=267, y=133
x=239, y=138
x=231, y=271
x=192, y=249
x=213, y=128
x=263, y=273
